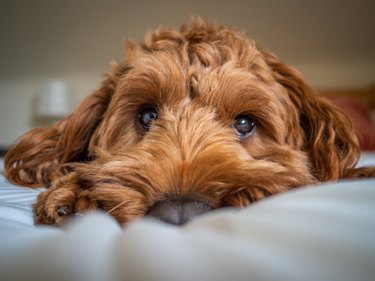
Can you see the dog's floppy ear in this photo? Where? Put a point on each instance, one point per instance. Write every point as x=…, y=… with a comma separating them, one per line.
x=36, y=157
x=328, y=135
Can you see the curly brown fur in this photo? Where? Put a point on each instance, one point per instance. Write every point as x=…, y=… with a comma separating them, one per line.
x=200, y=79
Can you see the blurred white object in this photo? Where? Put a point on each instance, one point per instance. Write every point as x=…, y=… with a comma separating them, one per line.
x=324, y=233
x=54, y=101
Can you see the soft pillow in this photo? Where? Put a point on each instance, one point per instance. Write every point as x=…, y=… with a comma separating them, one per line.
x=320, y=233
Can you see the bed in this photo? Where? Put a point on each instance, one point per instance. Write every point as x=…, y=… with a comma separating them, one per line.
x=324, y=232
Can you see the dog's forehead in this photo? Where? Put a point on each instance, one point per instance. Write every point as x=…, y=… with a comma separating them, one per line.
x=170, y=76
x=190, y=54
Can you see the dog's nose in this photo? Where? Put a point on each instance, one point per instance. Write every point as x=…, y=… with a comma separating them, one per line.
x=178, y=212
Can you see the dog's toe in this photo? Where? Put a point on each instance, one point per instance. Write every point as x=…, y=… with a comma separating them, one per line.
x=63, y=211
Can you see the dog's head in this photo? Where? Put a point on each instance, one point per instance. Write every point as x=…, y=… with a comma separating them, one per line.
x=202, y=114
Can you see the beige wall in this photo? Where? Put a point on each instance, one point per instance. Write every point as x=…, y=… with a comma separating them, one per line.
x=331, y=42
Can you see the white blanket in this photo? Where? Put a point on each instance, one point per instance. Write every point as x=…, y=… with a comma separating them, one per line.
x=321, y=233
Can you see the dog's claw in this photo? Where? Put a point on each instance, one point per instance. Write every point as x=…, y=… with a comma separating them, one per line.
x=64, y=211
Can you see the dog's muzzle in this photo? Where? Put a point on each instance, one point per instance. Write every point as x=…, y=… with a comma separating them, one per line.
x=178, y=212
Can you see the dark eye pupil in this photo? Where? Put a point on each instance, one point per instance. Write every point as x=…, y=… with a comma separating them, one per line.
x=147, y=116
x=244, y=124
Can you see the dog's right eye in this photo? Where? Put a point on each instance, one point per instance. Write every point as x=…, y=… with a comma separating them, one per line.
x=146, y=116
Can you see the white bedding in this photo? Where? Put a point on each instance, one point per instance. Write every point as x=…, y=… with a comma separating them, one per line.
x=320, y=233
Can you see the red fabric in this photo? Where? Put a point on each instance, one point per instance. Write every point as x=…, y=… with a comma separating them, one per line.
x=360, y=114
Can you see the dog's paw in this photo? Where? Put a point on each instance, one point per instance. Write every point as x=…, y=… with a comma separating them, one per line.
x=362, y=172
x=61, y=201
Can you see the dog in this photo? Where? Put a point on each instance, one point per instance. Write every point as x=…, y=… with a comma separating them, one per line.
x=191, y=121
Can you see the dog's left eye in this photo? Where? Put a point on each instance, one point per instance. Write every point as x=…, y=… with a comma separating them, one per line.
x=146, y=116
x=244, y=124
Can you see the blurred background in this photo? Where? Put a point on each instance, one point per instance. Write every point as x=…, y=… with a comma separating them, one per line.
x=52, y=53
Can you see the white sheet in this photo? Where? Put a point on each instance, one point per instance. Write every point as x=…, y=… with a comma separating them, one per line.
x=321, y=233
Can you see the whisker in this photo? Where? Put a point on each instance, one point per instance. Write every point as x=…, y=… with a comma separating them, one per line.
x=116, y=207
